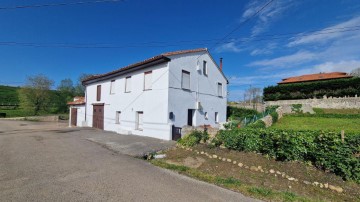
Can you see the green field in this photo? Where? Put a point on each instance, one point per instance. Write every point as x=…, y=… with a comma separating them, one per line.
x=9, y=95
x=318, y=123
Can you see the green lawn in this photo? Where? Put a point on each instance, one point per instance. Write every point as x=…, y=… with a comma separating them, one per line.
x=318, y=123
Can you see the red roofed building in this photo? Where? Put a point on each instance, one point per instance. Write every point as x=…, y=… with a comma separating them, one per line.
x=315, y=77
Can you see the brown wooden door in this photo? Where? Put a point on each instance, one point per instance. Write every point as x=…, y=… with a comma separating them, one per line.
x=73, y=116
x=98, y=116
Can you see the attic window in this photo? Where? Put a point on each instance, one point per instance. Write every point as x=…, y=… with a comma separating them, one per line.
x=147, y=80
x=112, y=87
x=128, y=84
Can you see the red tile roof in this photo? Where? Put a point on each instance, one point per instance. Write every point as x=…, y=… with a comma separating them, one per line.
x=154, y=60
x=77, y=101
x=315, y=77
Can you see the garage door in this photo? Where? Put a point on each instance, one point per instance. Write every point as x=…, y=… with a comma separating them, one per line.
x=98, y=116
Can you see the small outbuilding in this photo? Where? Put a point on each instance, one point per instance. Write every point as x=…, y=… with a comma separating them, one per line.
x=77, y=111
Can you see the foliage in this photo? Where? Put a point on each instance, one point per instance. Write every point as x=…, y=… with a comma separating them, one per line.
x=257, y=124
x=9, y=95
x=194, y=138
x=240, y=113
x=275, y=116
x=35, y=95
x=336, y=111
x=324, y=149
x=296, y=108
x=80, y=88
x=335, y=88
x=271, y=108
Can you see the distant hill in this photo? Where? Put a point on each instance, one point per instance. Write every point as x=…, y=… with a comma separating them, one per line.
x=8, y=94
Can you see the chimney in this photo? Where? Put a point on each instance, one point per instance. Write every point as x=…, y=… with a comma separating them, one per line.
x=221, y=64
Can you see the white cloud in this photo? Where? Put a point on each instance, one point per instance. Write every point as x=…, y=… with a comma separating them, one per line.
x=268, y=15
x=342, y=66
x=326, y=34
x=268, y=49
x=228, y=47
x=286, y=61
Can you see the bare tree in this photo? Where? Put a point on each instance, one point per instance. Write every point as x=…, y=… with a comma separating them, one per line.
x=35, y=95
x=253, y=96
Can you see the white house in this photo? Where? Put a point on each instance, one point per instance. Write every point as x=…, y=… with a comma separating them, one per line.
x=156, y=96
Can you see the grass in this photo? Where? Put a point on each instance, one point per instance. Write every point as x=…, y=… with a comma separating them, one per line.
x=318, y=123
x=336, y=111
x=232, y=183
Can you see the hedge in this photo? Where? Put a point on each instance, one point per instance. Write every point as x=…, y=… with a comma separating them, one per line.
x=324, y=149
x=335, y=88
x=240, y=113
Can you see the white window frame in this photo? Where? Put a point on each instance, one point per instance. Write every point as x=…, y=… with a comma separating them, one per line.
x=216, y=117
x=112, y=87
x=205, y=68
x=128, y=84
x=182, y=80
x=219, y=89
x=138, y=125
x=118, y=117
x=148, y=77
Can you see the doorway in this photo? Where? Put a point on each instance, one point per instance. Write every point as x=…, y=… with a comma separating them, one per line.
x=98, y=116
x=73, y=116
x=190, y=117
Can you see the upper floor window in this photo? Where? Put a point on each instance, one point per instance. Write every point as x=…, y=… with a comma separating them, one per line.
x=112, y=87
x=220, y=90
x=128, y=84
x=148, y=80
x=205, y=69
x=185, y=80
x=98, y=92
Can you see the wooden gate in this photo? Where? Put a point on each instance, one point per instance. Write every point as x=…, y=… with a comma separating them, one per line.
x=176, y=133
x=73, y=116
x=98, y=116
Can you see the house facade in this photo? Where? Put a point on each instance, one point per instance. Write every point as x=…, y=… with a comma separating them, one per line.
x=156, y=96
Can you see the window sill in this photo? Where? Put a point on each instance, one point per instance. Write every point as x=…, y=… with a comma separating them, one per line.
x=127, y=91
x=147, y=89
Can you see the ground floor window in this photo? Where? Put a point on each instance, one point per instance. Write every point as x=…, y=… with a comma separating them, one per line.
x=117, y=117
x=216, y=117
x=139, y=120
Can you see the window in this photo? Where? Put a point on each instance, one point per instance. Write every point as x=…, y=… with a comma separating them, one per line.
x=139, y=120
x=98, y=92
x=206, y=116
x=220, y=89
x=117, y=117
x=216, y=117
x=112, y=87
x=205, y=70
x=185, y=80
x=128, y=84
x=147, y=80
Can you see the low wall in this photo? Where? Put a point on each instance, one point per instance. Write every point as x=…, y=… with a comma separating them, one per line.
x=328, y=103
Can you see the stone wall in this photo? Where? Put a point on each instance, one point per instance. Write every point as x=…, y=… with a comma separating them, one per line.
x=329, y=103
x=188, y=129
x=268, y=120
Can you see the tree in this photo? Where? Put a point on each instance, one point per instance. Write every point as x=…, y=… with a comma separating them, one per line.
x=355, y=72
x=79, y=88
x=66, y=92
x=253, y=95
x=35, y=95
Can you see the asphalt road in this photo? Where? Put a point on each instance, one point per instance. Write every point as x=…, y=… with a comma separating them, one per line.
x=49, y=162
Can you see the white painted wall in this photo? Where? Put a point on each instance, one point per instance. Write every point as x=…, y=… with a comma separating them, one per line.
x=80, y=115
x=181, y=100
x=153, y=103
x=165, y=96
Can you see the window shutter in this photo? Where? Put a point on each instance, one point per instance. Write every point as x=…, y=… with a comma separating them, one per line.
x=185, y=83
x=147, y=80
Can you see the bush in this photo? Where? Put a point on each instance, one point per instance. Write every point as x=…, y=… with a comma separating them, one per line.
x=257, y=124
x=296, y=108
x=335, y=88
x=194, y=138
x=240, y=113
x=323, y=148
x=275, y=116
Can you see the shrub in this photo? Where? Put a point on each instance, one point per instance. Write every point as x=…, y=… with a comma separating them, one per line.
x=275, y=116
x=323, y=148
x=335, y=88
x=257, y=124
x=240, y=113
x=194, y=138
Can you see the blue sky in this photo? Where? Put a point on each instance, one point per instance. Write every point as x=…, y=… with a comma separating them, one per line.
x=287, y=38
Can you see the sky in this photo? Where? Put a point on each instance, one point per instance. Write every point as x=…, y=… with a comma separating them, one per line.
x=261, y=41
